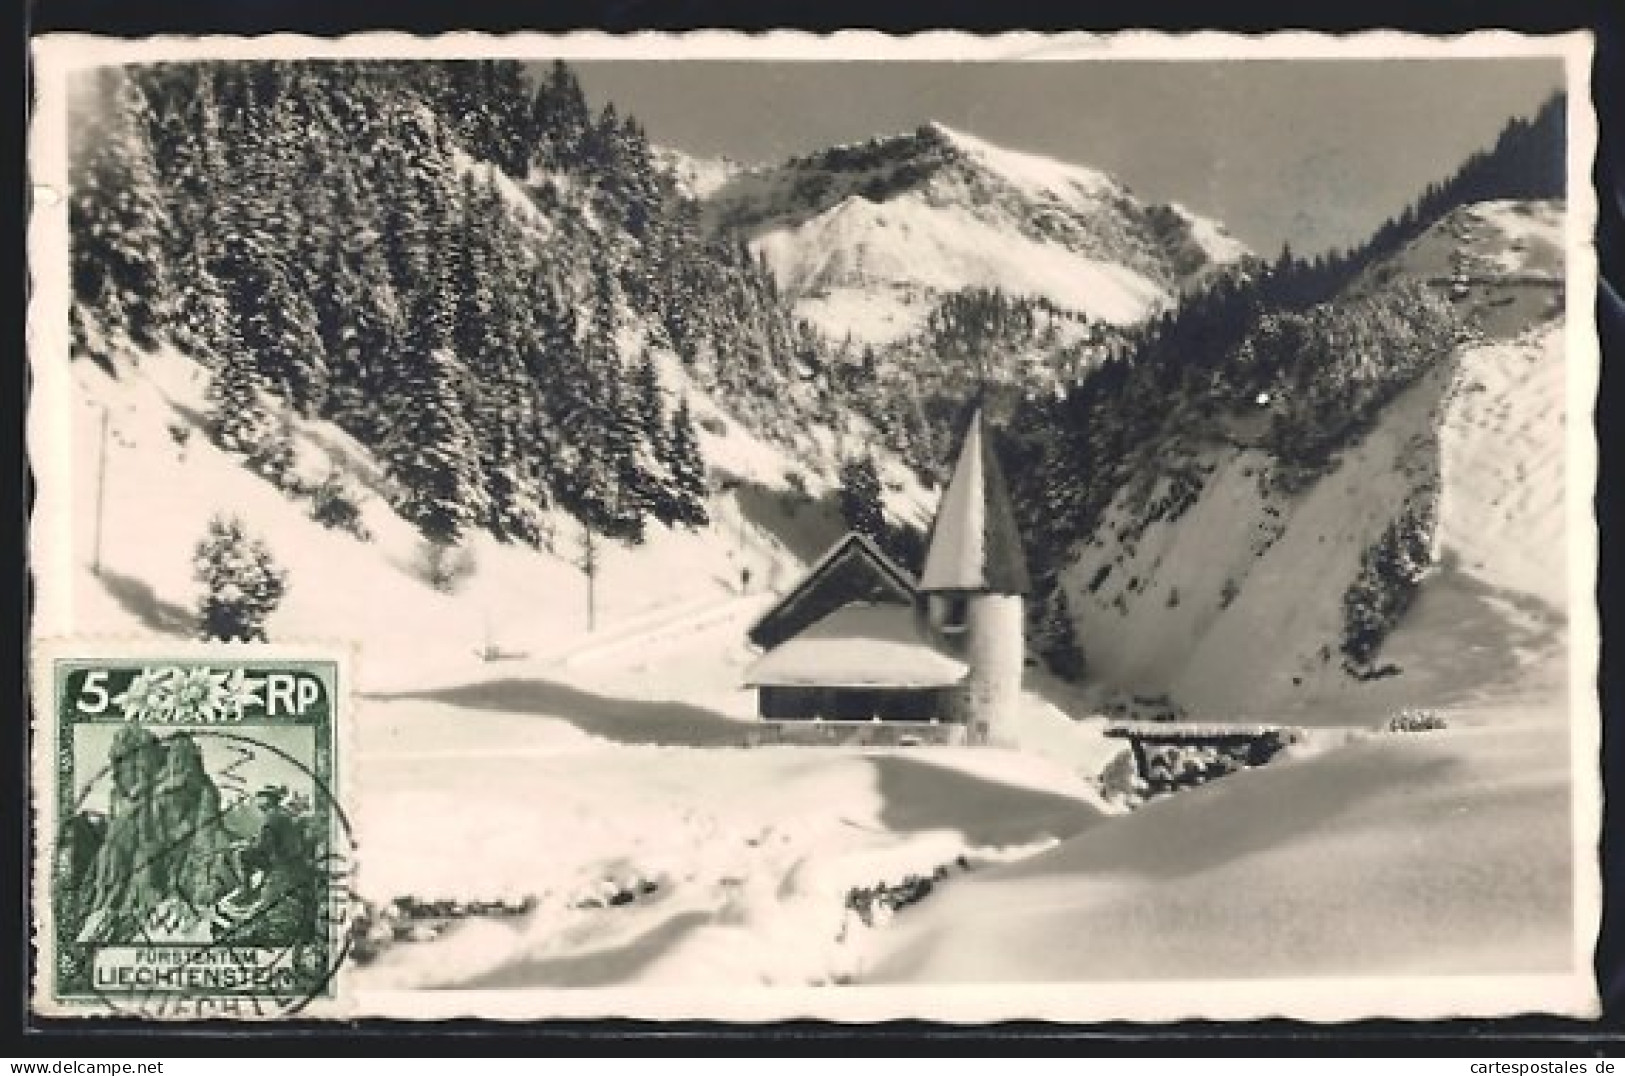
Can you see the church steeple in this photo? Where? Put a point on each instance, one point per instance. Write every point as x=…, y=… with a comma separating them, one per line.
x=974, y=546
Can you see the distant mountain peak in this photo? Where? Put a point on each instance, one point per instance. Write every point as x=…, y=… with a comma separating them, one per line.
x=1034, y=171
x=866, y=237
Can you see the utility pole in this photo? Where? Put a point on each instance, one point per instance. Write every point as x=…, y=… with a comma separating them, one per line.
x=101, y=494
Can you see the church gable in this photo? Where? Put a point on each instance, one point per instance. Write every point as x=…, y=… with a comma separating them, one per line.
x=853, y=570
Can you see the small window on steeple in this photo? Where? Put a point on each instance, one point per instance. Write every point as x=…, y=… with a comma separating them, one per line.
x=953, y=613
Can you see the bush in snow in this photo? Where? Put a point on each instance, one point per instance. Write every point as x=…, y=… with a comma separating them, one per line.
x=445, y=566
x=334, y=505
x=875, y=904
x=1120, y=781
x=1391, y=570
x=1416, y=721
x=242, y=583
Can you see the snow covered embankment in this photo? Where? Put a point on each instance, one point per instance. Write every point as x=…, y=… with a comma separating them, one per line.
x=744, y=859
x=1432, y=853
x=1235, y=607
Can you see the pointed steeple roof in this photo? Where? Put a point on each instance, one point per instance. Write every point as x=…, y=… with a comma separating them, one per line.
x=974, y=544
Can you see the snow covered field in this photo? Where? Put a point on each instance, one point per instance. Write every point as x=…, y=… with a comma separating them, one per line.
x=589, y=764
x=1436, y=853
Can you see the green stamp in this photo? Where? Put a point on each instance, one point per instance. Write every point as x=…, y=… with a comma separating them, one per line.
x=201, y=853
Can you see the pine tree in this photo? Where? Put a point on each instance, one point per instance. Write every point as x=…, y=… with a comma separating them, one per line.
x=598, y=465
x=117, y=212
x=432, y=457
x=559, y=119
x=203, y=323
x=275, y=324
x=1058, y=638
x=242, y=583
x=689, y=489
x=189, y=154
x=860, y=498
x=238, y=420
x=364, y=337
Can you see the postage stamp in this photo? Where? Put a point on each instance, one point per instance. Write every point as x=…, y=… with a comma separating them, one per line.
x=194, y=849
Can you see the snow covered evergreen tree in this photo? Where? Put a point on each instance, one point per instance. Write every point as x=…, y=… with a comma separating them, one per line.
x=242, y=583
x=117, y=211
x=688, y=470
x=860, y=498
x=275, y=324
x=203, y=322
x=241, y=420
x=433, y=457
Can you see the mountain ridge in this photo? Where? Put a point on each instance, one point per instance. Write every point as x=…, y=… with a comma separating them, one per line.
x=1240, y=571
x=863, y=236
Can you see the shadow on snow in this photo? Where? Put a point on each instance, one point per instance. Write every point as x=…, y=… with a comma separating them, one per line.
x=919, y=795
x=636, y=722
x=142, y=602
x=603, y=967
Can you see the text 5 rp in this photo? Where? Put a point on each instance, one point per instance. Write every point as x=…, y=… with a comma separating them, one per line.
x=197, y=693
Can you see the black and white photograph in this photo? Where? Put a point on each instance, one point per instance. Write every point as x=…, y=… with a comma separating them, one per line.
x=956, y=528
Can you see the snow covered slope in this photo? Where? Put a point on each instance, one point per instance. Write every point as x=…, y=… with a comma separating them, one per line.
x=1235, y=607
x=1400, y=855
x=863, y=237
x=158, y=494
x=580, y=743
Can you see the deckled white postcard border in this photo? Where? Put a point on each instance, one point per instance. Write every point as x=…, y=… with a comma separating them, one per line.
x=1319, y=999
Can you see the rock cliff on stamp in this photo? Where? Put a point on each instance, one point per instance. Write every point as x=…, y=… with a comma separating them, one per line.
x=163, y=858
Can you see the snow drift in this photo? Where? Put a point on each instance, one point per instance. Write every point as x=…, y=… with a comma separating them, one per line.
x=1402, y=854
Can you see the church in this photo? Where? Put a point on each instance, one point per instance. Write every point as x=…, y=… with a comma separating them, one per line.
x=859, y=651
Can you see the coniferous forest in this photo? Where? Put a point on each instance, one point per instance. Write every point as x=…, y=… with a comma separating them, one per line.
x=337, y=238
x=1295, y=332
x=333, y=238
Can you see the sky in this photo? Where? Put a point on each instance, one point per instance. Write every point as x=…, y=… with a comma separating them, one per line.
x=1315, y=153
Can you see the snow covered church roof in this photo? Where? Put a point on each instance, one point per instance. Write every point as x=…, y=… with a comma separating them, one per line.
x=854, y=568
x=974, y=544
x=858, y=645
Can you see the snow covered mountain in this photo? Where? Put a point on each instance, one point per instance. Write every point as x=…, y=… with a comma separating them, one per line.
x=863, y=238
x=1216, y=587
x=697, y=177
